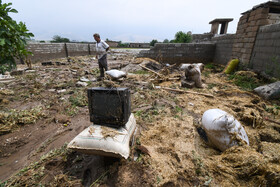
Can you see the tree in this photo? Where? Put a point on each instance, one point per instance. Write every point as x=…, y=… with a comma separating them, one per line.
x=181, y=37
x=152, y=43
x=166, y=41
x=13, y=38
x=58, y=39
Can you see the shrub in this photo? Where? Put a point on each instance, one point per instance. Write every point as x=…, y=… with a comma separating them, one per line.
x=13, y=38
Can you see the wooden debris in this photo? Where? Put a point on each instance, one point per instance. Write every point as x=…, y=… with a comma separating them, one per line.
x=150, y=70
x=184, y=91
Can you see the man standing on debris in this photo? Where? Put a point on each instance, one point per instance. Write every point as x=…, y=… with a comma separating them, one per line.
x=101, y=50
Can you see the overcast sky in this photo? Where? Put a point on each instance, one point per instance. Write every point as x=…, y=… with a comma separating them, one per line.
x=125, y=20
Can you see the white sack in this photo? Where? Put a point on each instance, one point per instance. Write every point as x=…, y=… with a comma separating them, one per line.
x=115, y=74
x=95, y=140
x=200, y=66
x=221, y=127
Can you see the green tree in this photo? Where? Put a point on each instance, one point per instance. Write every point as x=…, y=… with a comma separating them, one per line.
x=57, y=39
x=166, y=41
x=181, y=37
x=13, y=38
x=152, y=43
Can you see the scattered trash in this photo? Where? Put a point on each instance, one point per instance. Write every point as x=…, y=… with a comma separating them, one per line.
x=81, y=84
x=47, y=63
x=61, y=91
x=6, y=78
x=222, y=129
x=83, y=79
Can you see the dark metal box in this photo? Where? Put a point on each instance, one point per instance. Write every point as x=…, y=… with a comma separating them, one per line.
x=109, y=106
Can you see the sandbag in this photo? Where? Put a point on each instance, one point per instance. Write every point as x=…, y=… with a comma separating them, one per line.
x=192, y=74
x=222, y=129
x=231, y=66
x=115, y=74
x=106, y=141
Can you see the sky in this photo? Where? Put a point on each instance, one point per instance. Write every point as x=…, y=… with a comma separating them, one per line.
x=125, y=20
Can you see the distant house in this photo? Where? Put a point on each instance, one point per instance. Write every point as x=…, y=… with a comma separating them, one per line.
x=139, y=45
x=112, y=43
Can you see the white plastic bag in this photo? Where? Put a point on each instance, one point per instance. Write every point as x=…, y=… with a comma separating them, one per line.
x=115, y=74
x=221, y=128
x=105, y=141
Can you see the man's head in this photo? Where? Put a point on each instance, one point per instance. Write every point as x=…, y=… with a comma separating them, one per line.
x=96, y=37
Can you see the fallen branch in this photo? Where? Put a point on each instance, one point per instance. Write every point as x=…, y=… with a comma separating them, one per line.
x=270, y=120
x=184, y=91
x=150, y=70
x=167, y=79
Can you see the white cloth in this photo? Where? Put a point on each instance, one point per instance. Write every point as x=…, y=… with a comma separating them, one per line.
x=101, y=48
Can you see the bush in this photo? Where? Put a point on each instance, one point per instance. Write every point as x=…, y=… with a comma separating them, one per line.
x=59, y=39
x=13, y=38
x=153, y=42
x=181, y=37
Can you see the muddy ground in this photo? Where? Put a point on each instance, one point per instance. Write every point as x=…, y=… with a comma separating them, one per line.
x=44, y=109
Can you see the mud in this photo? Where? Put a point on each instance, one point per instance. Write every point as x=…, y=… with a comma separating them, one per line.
x=167, y=151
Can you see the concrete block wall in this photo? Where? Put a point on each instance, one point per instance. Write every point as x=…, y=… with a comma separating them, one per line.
x=180, y=53
x=44, y=51
x=223, y=50
x=266, y=52
x=198, y=38
x=77, y=49
x=47, y=51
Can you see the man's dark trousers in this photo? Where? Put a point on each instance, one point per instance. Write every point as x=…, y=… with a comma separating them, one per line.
x=102, y=62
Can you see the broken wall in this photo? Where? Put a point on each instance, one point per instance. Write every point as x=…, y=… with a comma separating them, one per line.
x=266, y=52
x=176, y=53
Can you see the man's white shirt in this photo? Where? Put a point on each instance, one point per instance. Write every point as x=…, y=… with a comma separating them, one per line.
x=101, y=48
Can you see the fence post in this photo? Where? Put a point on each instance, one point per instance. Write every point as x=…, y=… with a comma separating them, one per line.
x=66, y=50
x=89, y=49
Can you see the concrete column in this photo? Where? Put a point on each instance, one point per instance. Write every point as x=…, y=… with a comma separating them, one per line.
x=214, y=28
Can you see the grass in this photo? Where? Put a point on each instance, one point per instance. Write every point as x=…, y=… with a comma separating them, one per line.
x=12, y=119
x=244, y=82
x=141, y=72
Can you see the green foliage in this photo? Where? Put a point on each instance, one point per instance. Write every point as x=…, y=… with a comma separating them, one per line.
x=78, y=99
x=123, y=44
x=274, y=109
x=245, y=82
x=58, y=39
x=181, y=37
x=13, y=38
x=166, y=41
x=153, y=42
x=141, y=72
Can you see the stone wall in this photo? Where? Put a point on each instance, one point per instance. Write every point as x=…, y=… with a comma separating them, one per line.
x=223, y=49
x=266, y=52
x=47, y=51
x=180, y=53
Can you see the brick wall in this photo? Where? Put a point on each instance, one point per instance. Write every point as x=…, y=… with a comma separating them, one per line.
x=266, y=52
x=223, y=51
x=246, y=33
x=180, y=53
